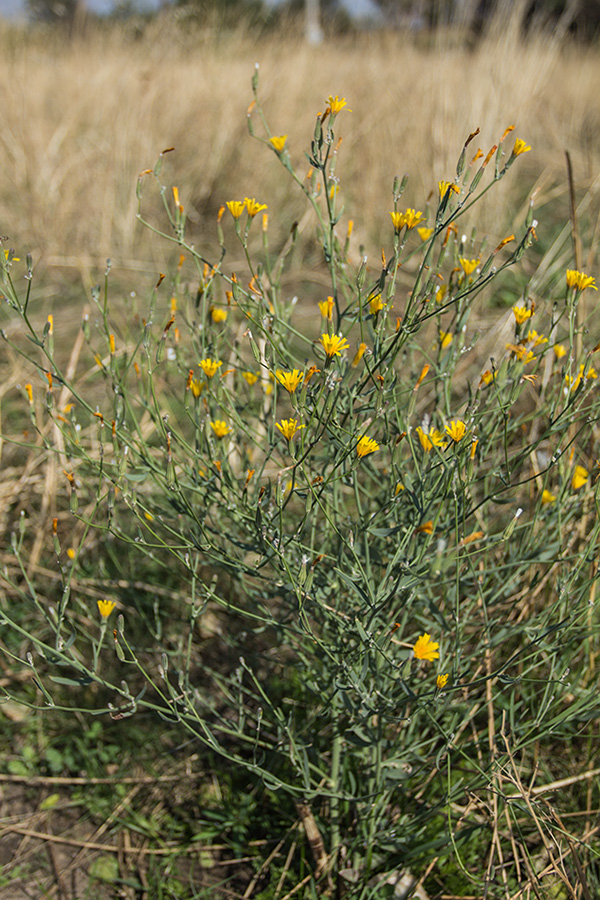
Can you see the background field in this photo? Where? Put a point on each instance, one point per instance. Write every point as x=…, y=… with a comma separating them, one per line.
x=80, y=120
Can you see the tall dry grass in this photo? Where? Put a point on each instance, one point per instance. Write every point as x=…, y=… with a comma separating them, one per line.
x=80, y=120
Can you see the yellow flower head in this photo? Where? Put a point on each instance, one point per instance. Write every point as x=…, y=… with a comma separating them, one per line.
x=559, y=351
x=220, y=428
x=536, y=339
x=521, y=352
x=579, y=280
x=456, y=430
x=290, y=380
x=425, y=648
x=431, y=438
x=250, y=377
x=366, y=445
x=105, y=607
x=218, y=315
x=336, y=104
x=445, y=339
x=580, y=477
x=278, y=142
x=236, y=207
x=253, y=207
x=196, y=387
x=288, y=428
x=312, y=371
x=445, y=186
x=520, y=147
x=468, y=265
x=410, y=218
x=521, y=314
x=375, y=304
x=548, y=496
x=210, y=366
x=575, y=382
x=425, y=233
x=425, y=528
x=326, y=308
x=359, y=354
x=441, y=681
x=333, y=345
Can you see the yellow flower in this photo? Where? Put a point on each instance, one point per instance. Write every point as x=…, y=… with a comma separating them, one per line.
x=359, y=354
x=425, y=528
x=253, y=207
x=29, y=390
x=520, y=147
x=209, y=366
x=431, y=438
x=580, y=280
x=366, y=445
x=71, y=552
x=336, y=104
x=326, y=307
x=456, y=430
x=441, y=293
x=250, y=377
x=559, y=351
x=536, y=339
x=521, y=314
x=445, y=186
x=105, y=607
x=487, y=377
x=580, y=477
x=218, y=315
x=333, y=345
x=441, y=681
x=425, y=648
x=575, y=382
x=425, y=233
x=548, y=496
x=196, y=387
x=312, y=371
x=410, y=218
x=236, y=207
x=521, y=352
x=278, y=142
x=220, y=428
x=375, y=304
x=445, y=339
x=290, y=380
x=468, y=265
x=288, y=428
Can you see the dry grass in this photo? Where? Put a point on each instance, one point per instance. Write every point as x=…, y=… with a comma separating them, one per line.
x=80, y=121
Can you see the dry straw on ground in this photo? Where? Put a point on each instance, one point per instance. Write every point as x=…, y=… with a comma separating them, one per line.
x=80, y=121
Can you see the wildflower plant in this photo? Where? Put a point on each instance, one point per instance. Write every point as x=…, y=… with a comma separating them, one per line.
x=391, y=547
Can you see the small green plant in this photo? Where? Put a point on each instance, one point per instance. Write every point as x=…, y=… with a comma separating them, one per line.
x=387, y=557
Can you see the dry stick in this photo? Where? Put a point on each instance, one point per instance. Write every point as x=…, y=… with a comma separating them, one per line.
x=576, y=861
x=286, y=868
x=497, y=774
x=129, y=779
x=576, y=238
x=112, y=848
x=275, y=852
x=52, y=466
x=525, y=794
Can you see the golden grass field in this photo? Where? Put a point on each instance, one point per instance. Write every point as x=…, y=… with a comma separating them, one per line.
x=80, y=120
